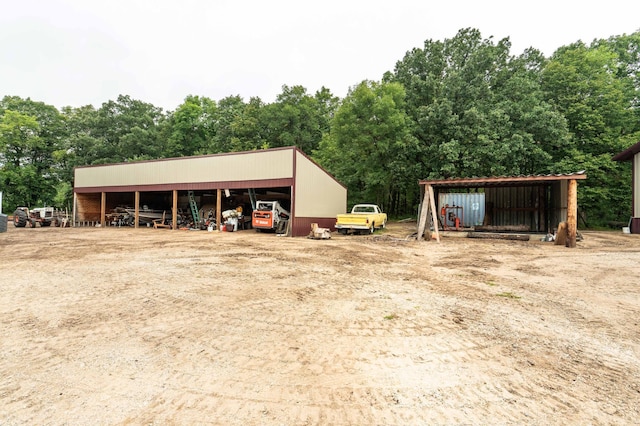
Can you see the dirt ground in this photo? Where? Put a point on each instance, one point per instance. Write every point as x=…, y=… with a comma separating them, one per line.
x=125, y=326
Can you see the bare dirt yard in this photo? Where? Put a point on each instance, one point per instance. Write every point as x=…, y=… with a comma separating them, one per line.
x=124, y=326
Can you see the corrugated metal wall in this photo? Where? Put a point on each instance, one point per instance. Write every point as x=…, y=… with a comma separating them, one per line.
x=472, y=207
x=541, y=208
x=517, y=206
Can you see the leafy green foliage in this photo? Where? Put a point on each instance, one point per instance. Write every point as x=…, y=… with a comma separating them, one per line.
x=587, y=86
x=297, y=118
x=192, y=126
x=30, y=134
x=370, y=147
x=479, y=111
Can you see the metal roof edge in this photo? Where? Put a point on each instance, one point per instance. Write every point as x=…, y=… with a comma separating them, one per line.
x=628, y=153
x=505, y=179
x=218, y=154
x=319, y=166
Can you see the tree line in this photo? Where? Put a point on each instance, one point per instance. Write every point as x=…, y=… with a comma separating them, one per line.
x=460, y=107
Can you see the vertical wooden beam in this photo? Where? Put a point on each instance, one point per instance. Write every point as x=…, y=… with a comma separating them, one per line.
x=75, y=209
x=572, y=213
x=137, y=206
x=427, y=210
x=174, y=210
x=219, y=210
x=434, y=216
x=103, y=209
x=422, y=219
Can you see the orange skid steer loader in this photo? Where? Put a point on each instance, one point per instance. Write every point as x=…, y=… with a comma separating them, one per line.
x=271, y=216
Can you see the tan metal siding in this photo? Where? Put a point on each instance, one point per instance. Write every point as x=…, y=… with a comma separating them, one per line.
x=258, y=165
x=317, y=194
x=636, y=185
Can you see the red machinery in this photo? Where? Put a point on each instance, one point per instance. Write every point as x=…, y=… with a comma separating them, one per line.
x=451, y=217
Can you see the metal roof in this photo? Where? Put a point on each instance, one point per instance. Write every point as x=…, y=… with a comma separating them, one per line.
x=503, y=180
x=628, y=153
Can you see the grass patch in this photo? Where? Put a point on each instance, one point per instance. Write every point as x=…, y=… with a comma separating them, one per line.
x=508, y=295
x=390, y=317
x=492, y=284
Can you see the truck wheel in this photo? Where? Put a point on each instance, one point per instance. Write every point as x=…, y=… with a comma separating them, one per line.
x=45, y=224
x=343, y=231
x=19, y=218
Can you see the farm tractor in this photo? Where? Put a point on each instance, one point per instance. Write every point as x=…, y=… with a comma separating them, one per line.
x=45, y=216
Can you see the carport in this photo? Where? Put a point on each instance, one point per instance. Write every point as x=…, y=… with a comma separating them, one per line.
x=536, y=203
x=632, y=154
x=215, y=183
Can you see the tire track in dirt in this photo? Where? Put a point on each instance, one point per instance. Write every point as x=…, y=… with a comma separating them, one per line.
x=246, y=329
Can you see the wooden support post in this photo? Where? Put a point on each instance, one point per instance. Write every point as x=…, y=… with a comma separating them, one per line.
x=103, y=209
x=75, y=209
x=434, y=214
x=136, y=217
x=428, y=207
x=572, y=213
x=422, y=219
x=174, y=210
x=219, y=210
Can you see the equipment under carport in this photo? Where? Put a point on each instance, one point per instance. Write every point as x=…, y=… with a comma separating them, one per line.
x=270, y=215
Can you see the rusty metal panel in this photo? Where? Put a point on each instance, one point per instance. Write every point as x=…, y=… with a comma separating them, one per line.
x=514, y=206
x=245, y=166
x=472, y=206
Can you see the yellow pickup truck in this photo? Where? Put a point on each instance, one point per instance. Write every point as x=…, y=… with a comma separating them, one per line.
x=364, y=218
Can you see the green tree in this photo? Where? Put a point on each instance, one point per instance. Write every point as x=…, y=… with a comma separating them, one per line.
x=30, y=133
x=192, y=127
x=296, y=119
x=587, y=85
x=248, y=127
x=479, y=111
x=127, y=130
x=228, y=111
x=627, y=49
x=370, y=147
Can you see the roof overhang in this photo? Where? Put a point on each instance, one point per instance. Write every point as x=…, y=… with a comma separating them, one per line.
x=502, y=181
x=627, y=154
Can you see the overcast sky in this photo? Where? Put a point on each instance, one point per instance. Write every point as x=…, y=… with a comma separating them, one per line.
x=80, y=52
